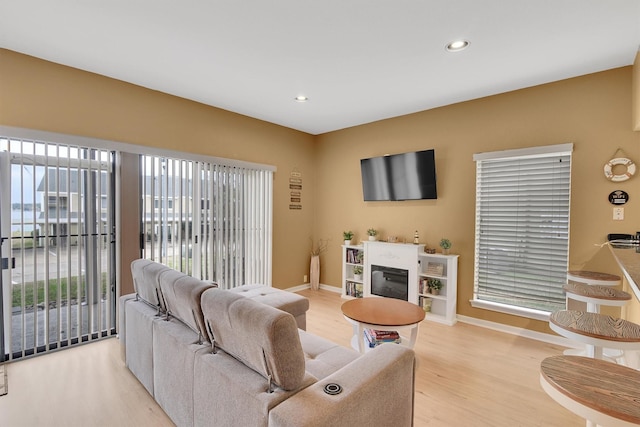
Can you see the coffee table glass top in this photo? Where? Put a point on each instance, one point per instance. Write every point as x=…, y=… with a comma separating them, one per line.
x=383, y=311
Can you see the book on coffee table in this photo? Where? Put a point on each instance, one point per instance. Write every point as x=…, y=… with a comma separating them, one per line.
x=375, y=337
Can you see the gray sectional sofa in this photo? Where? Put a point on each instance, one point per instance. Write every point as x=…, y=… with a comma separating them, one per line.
x=213, y=357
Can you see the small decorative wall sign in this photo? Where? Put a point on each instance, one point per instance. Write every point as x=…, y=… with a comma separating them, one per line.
x=618, y=197
x=295, y=190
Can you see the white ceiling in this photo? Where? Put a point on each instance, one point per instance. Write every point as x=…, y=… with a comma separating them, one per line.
x=358, y=61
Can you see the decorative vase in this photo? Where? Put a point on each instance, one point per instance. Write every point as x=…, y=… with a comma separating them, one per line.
x=445, y=251
x=372, y=238
x=357, y=277
x=314, y=272
x=347, y=242
x=435, y=291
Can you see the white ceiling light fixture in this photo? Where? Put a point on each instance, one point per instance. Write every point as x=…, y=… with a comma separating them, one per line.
x=457, y=45
x=301, y=98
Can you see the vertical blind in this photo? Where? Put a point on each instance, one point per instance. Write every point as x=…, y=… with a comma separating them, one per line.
x=59, y=289
x=522, y=226
x=212, y=221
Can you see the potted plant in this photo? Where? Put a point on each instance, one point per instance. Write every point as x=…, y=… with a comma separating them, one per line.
x=360, y=257
x=357, y=272
x=348, y=235
x=434, y=286
x=445, y=244
x=372, y=232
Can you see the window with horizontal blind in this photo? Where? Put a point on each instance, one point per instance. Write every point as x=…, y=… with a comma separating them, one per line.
x=522, y=229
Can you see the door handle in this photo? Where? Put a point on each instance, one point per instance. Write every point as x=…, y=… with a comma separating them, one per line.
x=5, y=263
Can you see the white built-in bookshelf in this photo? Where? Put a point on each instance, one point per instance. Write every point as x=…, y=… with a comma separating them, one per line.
x=419, y=266
x=445, y=269
x=352, y=258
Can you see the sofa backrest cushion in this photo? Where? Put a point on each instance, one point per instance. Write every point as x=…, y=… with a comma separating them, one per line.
x=181, y=294
x=146, y=283
x=262, y=337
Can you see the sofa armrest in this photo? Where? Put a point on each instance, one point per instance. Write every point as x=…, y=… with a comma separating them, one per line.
x=377, y=389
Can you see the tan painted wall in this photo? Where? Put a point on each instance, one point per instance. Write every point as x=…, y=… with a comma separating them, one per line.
x=40, y=95
x=591, y=111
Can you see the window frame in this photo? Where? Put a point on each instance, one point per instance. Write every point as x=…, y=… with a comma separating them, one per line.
x=510, y=155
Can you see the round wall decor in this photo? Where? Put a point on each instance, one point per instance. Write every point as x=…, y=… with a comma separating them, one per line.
x=629, y=172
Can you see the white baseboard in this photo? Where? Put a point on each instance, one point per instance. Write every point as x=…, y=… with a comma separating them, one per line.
x=308, y=286
x=298, y=288
x=330, y=288
x=539, y=336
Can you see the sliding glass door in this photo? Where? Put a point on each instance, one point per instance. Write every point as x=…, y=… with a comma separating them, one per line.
x=212, y=221
x=58, y=257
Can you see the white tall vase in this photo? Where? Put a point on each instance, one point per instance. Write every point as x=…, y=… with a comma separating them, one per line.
x=314, y=272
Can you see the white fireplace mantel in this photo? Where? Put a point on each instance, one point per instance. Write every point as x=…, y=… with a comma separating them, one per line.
x=395, y=255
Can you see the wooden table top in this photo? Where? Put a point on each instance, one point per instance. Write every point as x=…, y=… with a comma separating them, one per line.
x=596, y=291
x=596, y=325
x=608, y=388
x=593, y=277
x=383, y=311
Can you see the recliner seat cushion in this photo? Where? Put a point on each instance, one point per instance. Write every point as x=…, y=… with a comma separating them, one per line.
x=286, y=301
x=323, y=357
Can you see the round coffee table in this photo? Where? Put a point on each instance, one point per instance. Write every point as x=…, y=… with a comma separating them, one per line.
x=382, y=314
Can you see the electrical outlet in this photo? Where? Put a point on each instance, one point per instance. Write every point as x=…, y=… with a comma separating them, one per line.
x=304, y=280
x=618, y=214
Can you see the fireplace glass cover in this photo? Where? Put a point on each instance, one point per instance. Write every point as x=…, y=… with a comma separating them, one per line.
x=390, y=282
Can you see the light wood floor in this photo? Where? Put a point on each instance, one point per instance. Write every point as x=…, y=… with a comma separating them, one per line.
x=467, y=376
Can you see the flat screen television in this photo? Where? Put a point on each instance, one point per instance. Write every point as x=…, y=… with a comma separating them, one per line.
x=406, y=176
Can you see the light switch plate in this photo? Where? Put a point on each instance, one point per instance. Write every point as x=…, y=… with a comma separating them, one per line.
x=618, y=214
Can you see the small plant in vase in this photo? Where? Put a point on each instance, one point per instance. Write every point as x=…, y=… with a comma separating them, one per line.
x=445, y=244
x=372, y=232
x=434, y=286
x=348, y=235
x=357, y=272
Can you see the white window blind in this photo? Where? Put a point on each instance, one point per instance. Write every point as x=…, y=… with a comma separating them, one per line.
x=522, y=227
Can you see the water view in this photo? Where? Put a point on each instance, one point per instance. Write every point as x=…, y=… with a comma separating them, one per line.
x=22, y=220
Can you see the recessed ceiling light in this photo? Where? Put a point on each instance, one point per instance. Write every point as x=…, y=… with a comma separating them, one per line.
x=458, y=45
x=301, y=98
